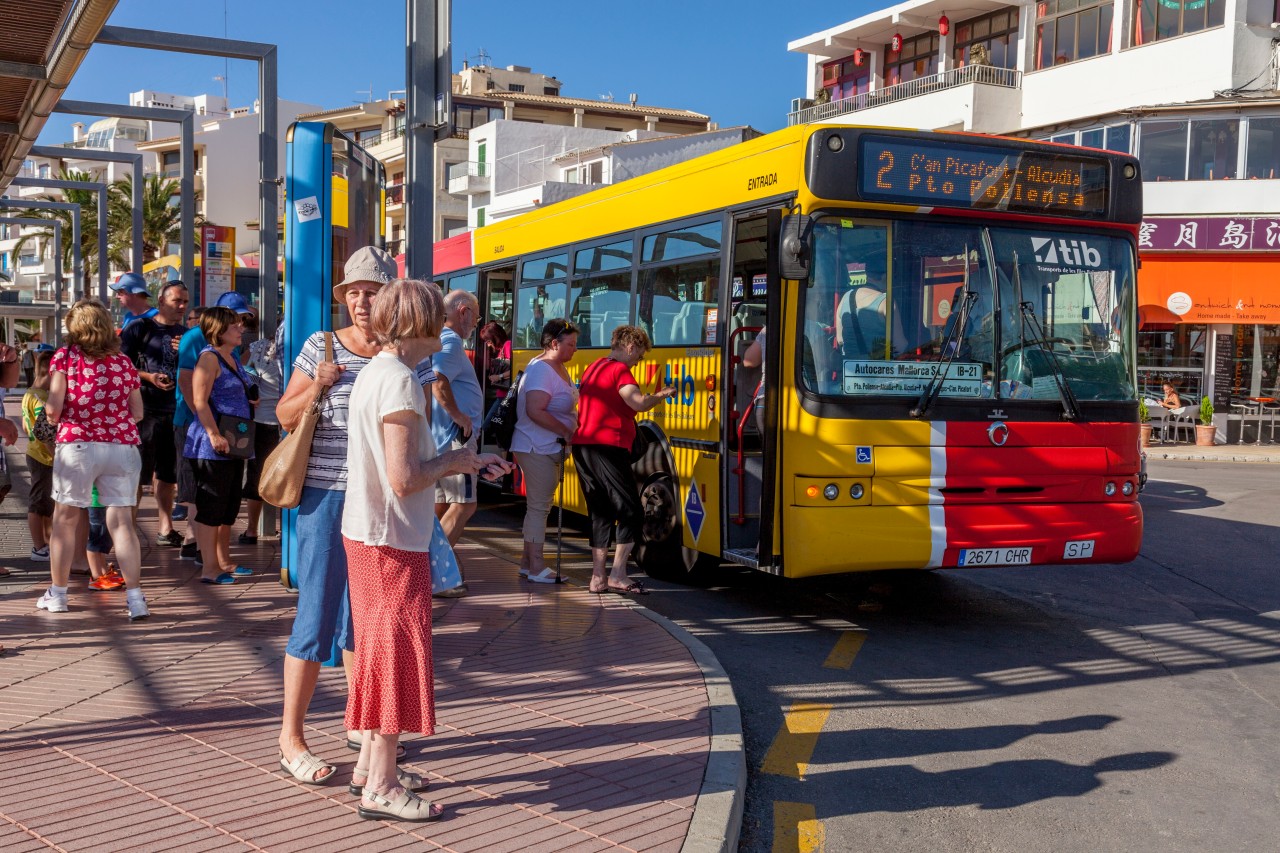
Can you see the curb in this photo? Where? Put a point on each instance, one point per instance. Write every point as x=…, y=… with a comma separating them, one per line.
x=1212, y=457
x=717, y=816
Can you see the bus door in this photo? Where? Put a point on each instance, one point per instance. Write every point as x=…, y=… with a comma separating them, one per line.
x=747, y=314
x=497, y=299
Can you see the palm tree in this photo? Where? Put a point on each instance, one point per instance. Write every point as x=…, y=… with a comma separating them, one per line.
x=161, y=218
x=88, y=201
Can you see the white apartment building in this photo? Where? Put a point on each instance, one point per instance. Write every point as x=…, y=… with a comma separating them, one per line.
x=1188, y=86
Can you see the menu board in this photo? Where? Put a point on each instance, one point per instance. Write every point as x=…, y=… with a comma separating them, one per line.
x=1223, y=365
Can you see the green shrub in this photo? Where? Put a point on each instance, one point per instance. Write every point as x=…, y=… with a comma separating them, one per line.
x=1144, y=416
x=1206, y=411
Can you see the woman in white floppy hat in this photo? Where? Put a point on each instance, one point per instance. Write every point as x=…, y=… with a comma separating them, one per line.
x=324, y=610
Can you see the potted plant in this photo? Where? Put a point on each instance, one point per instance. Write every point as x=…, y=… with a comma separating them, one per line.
x=1205, y=430
x=1144, y=420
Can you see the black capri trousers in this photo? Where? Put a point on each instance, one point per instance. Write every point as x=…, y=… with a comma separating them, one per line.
x=609, y=486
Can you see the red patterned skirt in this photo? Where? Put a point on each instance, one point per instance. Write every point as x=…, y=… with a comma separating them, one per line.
x=392, y=683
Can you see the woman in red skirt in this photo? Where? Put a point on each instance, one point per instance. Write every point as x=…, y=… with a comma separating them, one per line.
x=392, y=468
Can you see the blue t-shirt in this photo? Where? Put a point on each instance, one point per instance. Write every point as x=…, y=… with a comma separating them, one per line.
x=193, y=343
x=129, y=317
x=452, y=363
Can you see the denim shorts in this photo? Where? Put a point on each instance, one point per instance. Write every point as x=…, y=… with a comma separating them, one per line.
x=99, y=536
x=324, y=608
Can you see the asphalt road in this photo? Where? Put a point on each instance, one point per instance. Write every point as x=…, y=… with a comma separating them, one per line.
x=1128, y=708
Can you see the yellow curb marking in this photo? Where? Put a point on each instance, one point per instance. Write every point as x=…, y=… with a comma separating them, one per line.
x=793, y=747
x=847, y=648
x=796, y=829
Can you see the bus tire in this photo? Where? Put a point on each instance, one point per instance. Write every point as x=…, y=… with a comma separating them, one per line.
x=660, y=548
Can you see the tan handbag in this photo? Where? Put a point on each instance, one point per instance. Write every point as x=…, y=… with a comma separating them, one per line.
x=285, y=470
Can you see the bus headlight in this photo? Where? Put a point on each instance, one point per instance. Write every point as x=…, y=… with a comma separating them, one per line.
x=1127, y=488
x=1109, y=489
x=831, y=492
x=856, y=491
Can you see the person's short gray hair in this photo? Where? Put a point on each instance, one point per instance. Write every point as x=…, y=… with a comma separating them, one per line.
x=453, y=297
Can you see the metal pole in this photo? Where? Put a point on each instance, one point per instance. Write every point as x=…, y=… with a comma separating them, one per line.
x=184, y=118
x=73, y=209
x=100, y=188
x=139, y=182
x=57, y=263
x=268, y=137
x=426, y=52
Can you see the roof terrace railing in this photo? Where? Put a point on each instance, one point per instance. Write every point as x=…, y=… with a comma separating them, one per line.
x=1009, y=78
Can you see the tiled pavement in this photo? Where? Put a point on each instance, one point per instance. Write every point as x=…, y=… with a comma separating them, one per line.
x=566, y=721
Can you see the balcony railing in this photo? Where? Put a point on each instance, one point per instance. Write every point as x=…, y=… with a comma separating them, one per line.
x=1009, y=78
x=395, y=194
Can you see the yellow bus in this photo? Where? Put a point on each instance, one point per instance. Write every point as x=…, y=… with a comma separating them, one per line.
x=949, y=375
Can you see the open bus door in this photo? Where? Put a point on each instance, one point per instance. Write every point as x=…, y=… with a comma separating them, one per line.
x=755, y=302
x=497, y=301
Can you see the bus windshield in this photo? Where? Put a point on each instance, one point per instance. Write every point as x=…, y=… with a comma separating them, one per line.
x=1009, y=311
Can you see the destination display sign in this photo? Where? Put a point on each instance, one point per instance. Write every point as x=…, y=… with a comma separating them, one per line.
x=955, y=174
x=905, y=378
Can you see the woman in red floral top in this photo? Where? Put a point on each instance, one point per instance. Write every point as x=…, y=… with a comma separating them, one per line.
x=95, y=400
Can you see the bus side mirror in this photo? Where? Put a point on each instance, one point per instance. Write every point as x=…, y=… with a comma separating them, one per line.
x=793, y=249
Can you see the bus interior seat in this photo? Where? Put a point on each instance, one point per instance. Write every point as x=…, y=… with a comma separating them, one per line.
x=682, y=331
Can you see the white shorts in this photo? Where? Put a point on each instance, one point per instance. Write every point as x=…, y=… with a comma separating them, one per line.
x=80, y=465
x=457, y=488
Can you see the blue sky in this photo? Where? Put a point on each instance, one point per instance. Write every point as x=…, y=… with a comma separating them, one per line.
x=727, y=59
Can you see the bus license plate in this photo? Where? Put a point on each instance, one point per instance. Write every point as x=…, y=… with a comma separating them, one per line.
x=994, y=557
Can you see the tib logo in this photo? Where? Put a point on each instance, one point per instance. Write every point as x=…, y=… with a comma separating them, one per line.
x=1071, y=253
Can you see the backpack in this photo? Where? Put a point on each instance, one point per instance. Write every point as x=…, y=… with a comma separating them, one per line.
x=500, y=426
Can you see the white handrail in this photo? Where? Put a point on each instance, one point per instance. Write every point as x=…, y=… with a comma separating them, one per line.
x=1009, y=78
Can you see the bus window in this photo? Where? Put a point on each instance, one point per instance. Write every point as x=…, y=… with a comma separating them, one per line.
x=677, y=302
x=616, y=256
x=600, y=305
x=465, y=281
x=682, y=243
x=541, y=297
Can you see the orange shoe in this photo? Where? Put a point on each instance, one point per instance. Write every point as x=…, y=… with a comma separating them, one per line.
x=113, y=572
x=106, y=583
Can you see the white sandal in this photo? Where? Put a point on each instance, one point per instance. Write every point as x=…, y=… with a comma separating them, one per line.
x=410, y=781
x=305, y=767
x=400, y=806
x=544, y=576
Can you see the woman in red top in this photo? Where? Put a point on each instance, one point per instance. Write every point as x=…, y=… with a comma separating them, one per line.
x=609, y=398
x=94, y=399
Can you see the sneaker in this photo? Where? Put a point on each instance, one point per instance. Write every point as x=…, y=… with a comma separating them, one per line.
x=52, y=602
x=458, y=591
x=179, y=513
x=138, y=609
x=190, y=551
x=173, y=539
x=40, y=555
x=106, y=583
x=113, y=572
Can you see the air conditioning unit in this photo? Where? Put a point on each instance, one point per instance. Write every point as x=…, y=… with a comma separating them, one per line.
x=798, y=104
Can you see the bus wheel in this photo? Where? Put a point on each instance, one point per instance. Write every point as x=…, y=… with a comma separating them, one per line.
x=660, y=550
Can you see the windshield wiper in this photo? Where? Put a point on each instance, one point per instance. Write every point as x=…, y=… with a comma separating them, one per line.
x=950, y=346
x=1070, y=408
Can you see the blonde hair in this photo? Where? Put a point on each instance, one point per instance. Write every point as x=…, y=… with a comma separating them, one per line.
x=624, y=335
x=89, y=327
x=214, y=323
x=407, y=308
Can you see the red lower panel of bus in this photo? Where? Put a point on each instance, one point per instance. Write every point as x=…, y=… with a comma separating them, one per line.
x=998, y=534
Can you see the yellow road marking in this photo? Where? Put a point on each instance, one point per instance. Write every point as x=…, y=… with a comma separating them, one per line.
x=847, y=648
x=796, y=829
x=793, y=747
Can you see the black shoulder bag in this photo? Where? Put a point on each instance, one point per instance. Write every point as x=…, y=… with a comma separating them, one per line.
x=239, y=432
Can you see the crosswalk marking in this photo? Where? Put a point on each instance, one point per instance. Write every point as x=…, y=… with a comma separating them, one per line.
x=794, y=744
x=846, y=649
x=796, y=829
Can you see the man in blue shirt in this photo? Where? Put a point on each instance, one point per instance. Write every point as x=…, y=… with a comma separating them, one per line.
x=456, y=406
x=193, y=343
x=135, y=298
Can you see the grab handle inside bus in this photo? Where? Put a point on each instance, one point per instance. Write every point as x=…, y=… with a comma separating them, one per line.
x=793, y=249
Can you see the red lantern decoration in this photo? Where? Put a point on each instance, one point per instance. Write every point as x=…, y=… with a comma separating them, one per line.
x=944, y=25
x=859, y=57
x=895, y=43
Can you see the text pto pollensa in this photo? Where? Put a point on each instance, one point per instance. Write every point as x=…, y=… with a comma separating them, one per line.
x=1035, y=185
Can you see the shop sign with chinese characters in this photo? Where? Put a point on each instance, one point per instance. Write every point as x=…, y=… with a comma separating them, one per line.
x=1210, y=234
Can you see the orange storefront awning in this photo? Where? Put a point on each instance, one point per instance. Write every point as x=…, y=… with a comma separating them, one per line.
x=1209, y=289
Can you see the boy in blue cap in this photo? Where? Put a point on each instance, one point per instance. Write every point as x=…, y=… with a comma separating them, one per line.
x=135, y=297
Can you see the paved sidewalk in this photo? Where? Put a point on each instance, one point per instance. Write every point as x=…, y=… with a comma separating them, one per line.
x=1217, y=453
x=566, y=721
